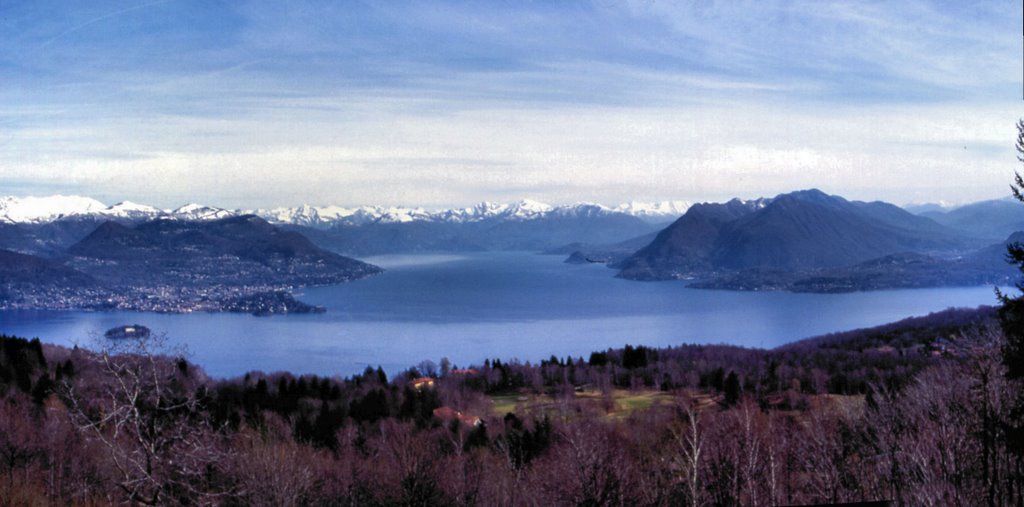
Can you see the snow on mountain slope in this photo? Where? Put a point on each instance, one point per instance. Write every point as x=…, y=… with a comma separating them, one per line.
x=128, y=209
x=579, y=210
x=527, y=209
x=657, y=210
x=46, y=209
x=303, y=215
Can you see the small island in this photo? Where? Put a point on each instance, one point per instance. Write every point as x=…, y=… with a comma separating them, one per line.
x=128, y=331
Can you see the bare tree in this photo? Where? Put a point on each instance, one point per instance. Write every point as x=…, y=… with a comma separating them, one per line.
x=822, y=453
x=689, y=439
x=751, y=446
x=19, y=447
x=272, y=473
x=402, y=464
x=142, y=407
x=588, y=468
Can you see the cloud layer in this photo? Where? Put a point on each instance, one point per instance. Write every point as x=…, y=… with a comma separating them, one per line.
x=437, y=104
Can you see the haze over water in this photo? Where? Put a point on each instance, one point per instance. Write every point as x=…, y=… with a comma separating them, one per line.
x=485, y=305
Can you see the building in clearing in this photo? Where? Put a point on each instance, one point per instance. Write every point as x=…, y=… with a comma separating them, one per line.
x=421, y=382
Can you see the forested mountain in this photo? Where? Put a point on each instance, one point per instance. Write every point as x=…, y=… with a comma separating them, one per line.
x=239, y=263
x=237, y=250
x=795, y=232
x=687, y=243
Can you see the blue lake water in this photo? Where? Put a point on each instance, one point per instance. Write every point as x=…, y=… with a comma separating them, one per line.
x=476, y=306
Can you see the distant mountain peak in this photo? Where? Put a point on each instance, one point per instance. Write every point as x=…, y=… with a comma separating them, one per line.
x=808, y=193
x=46, y=209
x=186, y=208
x=130, y=209
x=532, y=204
x=193, y=211
x=812, y=195
x=129, y=205
x=663, y=209
x=527, y=209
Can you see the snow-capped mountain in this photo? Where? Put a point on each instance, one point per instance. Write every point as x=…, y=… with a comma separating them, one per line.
x=303, y=215
x=526, y=209
x=41, y=210
x=656, y=211
x=194, y=211
x=129, y=210
x=479, y=212
x=46, y=209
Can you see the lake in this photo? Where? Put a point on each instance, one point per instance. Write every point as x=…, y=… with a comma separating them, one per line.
x=469, y=307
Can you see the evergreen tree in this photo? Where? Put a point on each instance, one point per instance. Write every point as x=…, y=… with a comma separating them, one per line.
x=732, y=389
x=1011, y=316
x=43, y=388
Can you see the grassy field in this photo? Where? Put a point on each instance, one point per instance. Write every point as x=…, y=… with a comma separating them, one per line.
x=619, y=403
x=505, y=403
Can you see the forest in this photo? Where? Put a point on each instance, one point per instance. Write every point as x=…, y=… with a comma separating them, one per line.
x=919, y=412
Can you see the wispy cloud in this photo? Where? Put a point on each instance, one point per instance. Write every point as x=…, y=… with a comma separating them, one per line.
x=98, y=19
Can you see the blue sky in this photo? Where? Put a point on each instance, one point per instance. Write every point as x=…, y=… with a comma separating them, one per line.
x=247, y=104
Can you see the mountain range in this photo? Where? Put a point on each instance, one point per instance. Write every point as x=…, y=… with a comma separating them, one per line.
x=993, y=219
x=40, y=210
x=37, y=210
x=48, y=225
x=799, y=241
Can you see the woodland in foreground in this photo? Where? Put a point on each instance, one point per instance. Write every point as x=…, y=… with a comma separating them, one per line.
x=920, y=412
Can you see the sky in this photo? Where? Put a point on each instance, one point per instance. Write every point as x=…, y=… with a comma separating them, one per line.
x=436, y=104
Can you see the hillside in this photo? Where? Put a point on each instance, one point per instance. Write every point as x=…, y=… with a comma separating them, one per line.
x=19, y=270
